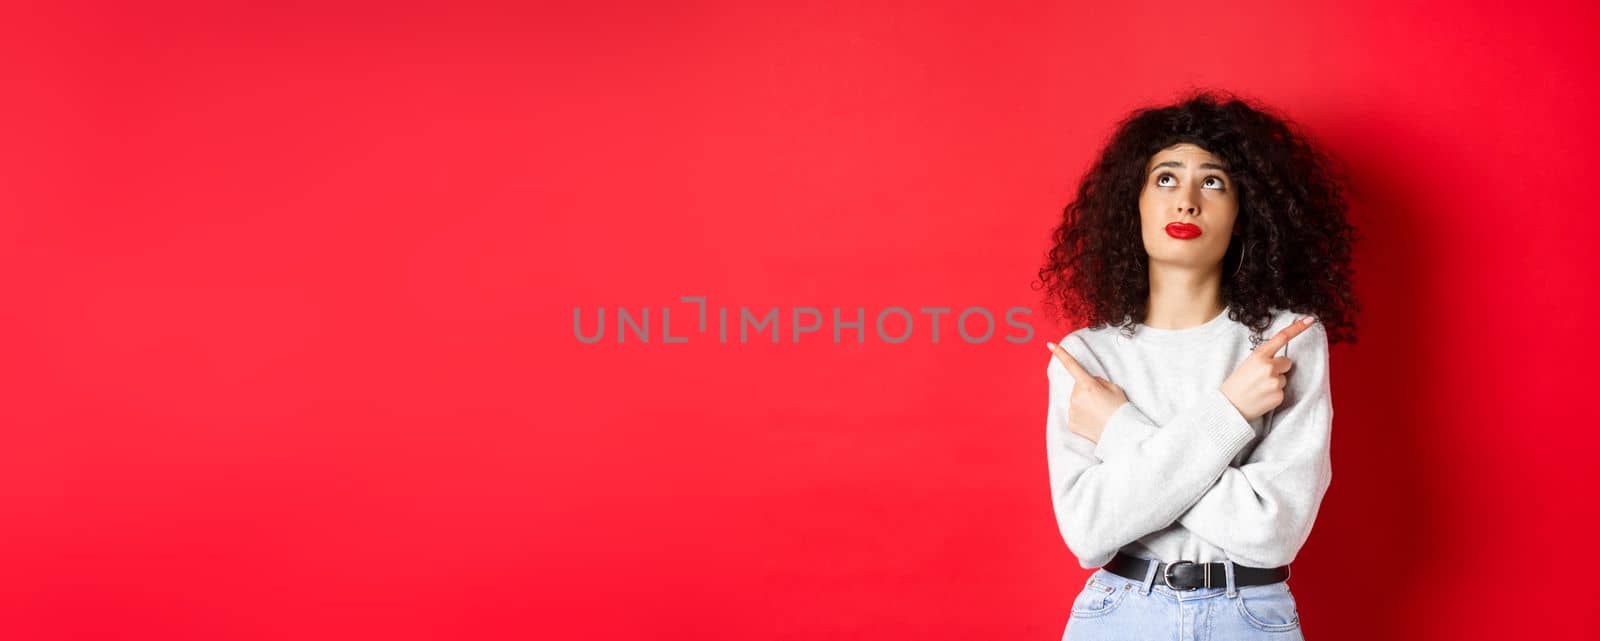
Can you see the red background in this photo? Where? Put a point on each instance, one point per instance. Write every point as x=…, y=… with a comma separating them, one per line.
x=289, y=348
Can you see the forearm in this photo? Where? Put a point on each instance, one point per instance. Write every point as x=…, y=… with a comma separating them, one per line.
x=1260, y=512
x=1103, y=504
x=1260, y=519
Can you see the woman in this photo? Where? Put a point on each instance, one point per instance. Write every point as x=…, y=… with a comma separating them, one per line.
x=1190, y=420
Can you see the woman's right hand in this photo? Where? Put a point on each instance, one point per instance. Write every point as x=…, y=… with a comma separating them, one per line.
x=1256, y=386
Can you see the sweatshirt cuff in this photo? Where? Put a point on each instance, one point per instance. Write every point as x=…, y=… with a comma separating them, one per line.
x=1222, y=423
x=1125, y=428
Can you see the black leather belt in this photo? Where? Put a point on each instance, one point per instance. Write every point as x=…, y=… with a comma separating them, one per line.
x=1189, y=575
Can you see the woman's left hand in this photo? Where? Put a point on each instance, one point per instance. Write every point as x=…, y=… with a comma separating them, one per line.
x=1093, y=400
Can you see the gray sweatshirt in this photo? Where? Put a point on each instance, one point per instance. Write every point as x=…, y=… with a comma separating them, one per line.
x=1178, y=473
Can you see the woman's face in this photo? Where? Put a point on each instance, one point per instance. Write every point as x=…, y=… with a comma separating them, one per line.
x=1187, y=207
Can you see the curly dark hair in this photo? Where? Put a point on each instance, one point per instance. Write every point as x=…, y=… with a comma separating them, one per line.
x=1291, y=217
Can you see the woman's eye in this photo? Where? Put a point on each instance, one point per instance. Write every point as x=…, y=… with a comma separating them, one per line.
x=1214, y=182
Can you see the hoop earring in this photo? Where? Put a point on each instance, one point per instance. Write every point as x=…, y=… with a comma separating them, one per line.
x=1242, y=254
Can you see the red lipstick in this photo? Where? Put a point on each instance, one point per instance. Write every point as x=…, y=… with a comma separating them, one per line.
x=1183, y=230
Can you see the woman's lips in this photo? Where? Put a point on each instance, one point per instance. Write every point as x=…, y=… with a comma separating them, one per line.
x=1183, y=230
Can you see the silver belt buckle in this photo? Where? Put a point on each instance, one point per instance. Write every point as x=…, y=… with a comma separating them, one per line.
x=1166, y=577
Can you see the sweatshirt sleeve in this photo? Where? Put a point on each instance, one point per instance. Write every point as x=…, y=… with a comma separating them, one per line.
x=1261, y=511
x=1102, y=505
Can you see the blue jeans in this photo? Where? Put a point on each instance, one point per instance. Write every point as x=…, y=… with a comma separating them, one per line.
x=1112, y=608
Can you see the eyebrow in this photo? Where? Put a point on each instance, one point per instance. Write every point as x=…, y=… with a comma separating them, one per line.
x=1204, y=165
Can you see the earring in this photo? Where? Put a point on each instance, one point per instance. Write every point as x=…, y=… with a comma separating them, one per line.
x=1242, y=255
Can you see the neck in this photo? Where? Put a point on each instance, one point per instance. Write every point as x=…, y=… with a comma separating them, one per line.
x=1182, y=296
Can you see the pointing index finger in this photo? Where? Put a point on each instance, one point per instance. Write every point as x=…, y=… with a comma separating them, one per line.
x=1272, y=345
x=1077, y=371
